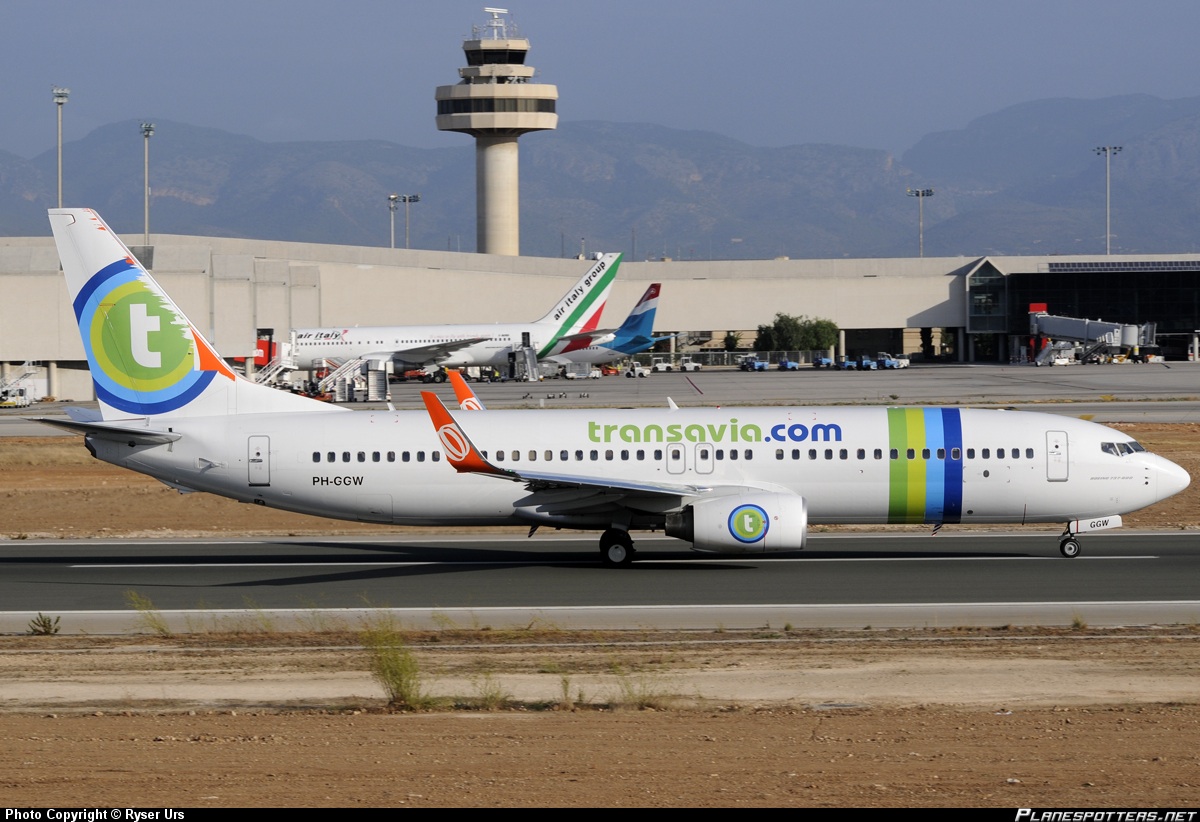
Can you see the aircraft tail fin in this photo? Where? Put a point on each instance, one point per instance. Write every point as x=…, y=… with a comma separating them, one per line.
x=467, y=399
x=580, y=308
x=640, y=322
x=145, y=357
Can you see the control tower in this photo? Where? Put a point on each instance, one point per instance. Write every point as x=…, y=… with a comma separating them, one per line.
x=496, y=102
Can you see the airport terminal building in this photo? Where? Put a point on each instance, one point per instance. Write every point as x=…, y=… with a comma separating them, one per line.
x=956, y=308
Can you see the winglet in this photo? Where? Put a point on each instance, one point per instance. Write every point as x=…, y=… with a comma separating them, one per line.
x=460, y=451
x=467, y=399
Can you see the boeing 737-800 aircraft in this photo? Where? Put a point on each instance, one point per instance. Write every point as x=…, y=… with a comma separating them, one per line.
x=458, y=346
x=727, y=480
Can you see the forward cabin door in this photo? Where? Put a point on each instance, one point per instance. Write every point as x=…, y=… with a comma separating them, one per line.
x=258, y=460
x=1056, y=456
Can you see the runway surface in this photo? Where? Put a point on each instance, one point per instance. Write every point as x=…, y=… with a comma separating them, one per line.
x=839, y=582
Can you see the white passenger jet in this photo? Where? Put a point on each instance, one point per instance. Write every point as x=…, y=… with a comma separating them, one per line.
x=462, y=345
x=727, y=480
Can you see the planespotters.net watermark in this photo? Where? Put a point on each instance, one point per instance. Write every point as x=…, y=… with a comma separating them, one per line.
x=1077, y=815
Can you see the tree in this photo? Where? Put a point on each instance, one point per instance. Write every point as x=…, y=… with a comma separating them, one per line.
x=788, y=333
x=732, y=341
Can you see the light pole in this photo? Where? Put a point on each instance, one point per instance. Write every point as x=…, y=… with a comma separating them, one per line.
x=60, y=100
x=407, y=199
x=393, y=204
x=147, y=133
x=1108, y=152
x=920, y=194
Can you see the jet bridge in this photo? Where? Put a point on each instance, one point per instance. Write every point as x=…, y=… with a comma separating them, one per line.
x=1090, y=340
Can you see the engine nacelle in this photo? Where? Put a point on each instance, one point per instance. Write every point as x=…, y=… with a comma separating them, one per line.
x=743, y=523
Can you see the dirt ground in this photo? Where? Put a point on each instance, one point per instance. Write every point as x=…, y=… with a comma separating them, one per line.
x=1001, y=717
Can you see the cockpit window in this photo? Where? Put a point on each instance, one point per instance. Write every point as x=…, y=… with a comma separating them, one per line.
x=1120, y=449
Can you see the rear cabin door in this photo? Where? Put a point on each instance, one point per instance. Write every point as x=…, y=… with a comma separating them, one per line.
x=1056, y=456
x=258, y=460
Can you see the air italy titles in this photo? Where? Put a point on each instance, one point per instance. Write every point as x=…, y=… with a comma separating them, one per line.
x=578, y=291
x=732, y=431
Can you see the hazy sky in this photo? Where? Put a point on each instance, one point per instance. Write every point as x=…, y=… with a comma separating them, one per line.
x=869, y=73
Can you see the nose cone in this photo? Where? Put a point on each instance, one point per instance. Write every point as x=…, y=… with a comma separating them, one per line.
x=1171, y=478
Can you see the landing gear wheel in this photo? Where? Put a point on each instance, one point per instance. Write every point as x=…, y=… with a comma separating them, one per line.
x=1069, y=547
x=616, y=548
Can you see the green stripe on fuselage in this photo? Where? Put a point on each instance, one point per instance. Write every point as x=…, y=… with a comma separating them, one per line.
x=906, y=477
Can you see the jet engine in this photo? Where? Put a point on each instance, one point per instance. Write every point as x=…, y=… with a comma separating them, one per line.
x=744, y=523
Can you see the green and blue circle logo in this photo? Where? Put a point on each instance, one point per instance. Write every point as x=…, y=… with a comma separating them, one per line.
x=749, y=523
x=140, y=349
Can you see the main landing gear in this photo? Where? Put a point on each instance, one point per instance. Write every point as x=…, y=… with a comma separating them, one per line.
x=1068, y=545
x=616, y=548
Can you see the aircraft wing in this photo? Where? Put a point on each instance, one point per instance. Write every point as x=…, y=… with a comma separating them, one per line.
x=467, y=459
x=428, y=354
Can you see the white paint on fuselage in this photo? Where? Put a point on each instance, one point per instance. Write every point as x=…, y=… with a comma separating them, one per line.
x=312, y=345
x=212, y=455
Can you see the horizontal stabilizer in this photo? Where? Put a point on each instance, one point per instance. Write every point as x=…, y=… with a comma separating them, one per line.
x=116, y=433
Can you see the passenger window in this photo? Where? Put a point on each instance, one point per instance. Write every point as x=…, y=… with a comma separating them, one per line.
x=578, y=455
x=532, y=455
x=941, y=453
x=999, y=453
x=894, y=454
x=795, y=453
x=812, y=453
x=1028, y=453
x=595, y=455
x=516, y=455
x=778, y=453
x=956, y=454
x=391, y=456
x=436, y=456
x=405, y=457
x=912, y=454
x=986, y=453
x=641, y=454
x=862, y=453
x=970, y=453
x=843, y=454
x=345, y=456
x=316, y=456
x=658, y=453
x=499, y=456
x=733, y=453
x=420, y=456
x=749, y=454
x=720, y=453
x=564, y=455
x=608, y=454
x=376, y=456
x=1016, y=453
x=828, y=453
x=362, y=456
x=878, y=453
x=625, y=453
x=549, y=455
x=924, y=453
x=331, y=456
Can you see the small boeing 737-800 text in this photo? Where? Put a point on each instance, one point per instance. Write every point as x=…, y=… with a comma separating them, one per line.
x=577, y=314
x=727, y=480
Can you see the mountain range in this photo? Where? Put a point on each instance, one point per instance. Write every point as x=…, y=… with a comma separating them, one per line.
x=1023, y=180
